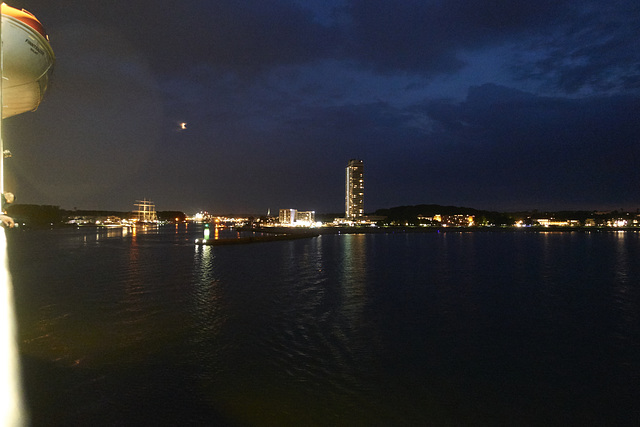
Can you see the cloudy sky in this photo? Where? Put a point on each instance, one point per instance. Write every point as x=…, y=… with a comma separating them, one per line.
x=503, y=105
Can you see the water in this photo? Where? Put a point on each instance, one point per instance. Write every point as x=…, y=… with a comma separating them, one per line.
x=388, y=329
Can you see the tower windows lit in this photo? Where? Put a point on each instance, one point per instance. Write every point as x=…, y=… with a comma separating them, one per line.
x=354, y=194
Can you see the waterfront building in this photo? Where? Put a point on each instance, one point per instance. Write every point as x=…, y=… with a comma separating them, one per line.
x=551, y=222
x=457, y=220
x=306, y=217
x=287, y=216
x=296, y=217
x=354, y=191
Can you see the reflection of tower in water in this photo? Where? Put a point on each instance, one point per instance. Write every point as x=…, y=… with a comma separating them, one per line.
x=354, y=275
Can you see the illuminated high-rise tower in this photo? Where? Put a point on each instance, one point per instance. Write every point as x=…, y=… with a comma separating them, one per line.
x=354, y=194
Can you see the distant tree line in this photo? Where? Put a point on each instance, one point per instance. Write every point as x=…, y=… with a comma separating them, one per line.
x=36, y=215
x=48, y=215
x=171, y=216
x=409, y=214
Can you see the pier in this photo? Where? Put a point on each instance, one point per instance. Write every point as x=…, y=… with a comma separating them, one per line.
x=255, y=239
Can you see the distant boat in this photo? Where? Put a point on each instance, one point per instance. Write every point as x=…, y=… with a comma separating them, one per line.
x=27, y=64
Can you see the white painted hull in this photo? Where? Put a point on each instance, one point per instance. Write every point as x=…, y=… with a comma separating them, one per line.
x=27, y=63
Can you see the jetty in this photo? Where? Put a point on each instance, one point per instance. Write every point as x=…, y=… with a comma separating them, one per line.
x=255, y=239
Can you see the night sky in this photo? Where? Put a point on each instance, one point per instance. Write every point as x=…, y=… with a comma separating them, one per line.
x=501, y=105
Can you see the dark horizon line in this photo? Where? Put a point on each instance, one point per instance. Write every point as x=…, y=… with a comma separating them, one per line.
x=341, y=214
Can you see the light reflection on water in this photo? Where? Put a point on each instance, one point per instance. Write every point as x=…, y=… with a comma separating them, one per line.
x=334, y=330
x=626, y=295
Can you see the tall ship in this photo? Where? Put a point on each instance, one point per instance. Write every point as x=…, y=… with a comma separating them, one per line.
x=27, y=62
x=145, y=212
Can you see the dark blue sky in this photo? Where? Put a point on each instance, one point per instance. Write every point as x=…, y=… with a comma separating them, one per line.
x=499, y=105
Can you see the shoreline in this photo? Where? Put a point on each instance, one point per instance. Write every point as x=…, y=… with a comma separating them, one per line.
x=274, y=234
x=409, y=229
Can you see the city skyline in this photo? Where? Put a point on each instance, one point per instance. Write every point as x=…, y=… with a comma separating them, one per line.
x=245, y=107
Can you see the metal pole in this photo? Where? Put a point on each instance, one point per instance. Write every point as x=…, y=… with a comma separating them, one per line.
x=1, y=114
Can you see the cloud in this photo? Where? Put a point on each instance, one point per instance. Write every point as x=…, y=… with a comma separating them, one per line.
x=427, y=37
x=525, y=149
x=573, y=46
x=243, y=37
x=278, y=89
x=594, y=52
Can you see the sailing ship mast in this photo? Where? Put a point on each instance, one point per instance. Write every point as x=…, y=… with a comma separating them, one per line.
x=146, y=211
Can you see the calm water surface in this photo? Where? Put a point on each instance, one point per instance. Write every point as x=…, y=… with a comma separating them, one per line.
x=121, y=328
